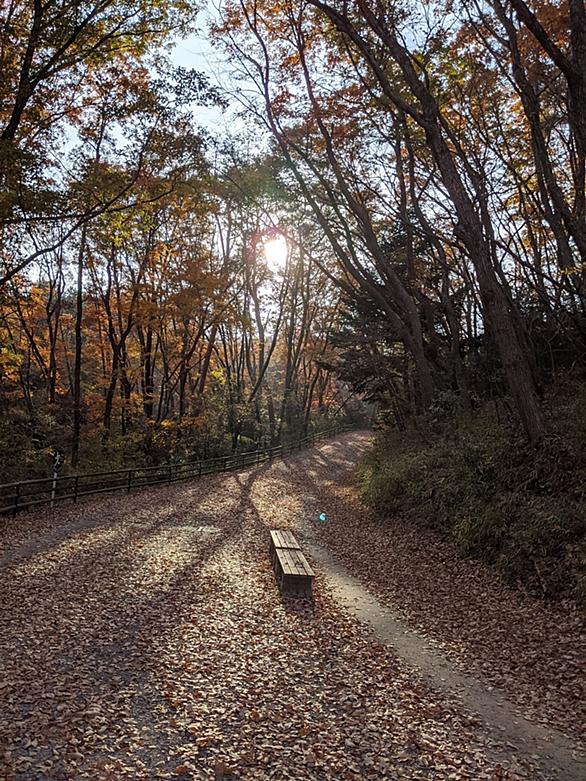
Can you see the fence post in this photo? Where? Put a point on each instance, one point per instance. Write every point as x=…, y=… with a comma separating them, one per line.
x=170, y=474
x=75, y=489
x=53, y=487
x=129, y=480
x=199, y=471
x=16, y=499
x=225, y=463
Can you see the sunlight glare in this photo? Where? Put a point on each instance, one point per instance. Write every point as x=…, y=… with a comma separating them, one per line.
x=276, y=251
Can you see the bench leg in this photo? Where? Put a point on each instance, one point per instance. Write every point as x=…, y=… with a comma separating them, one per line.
x=296, y=586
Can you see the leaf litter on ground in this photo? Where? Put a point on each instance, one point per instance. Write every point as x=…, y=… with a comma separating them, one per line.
x=144, y=637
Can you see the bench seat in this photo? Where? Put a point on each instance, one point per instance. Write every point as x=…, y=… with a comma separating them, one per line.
x=281, y=538
x=293, y=572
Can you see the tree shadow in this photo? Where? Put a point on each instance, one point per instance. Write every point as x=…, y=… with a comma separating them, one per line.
x=89, y=628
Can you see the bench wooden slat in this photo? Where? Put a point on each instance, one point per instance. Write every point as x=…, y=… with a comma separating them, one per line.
x=282, y=538
x=293, y=572
x=294, y=563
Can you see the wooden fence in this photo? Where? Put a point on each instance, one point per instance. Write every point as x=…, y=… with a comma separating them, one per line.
x=15, y=497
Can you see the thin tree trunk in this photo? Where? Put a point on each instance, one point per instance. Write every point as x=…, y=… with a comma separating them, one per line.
x=78, y=352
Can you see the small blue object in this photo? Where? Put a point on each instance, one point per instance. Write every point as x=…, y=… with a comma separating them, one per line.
x=323, y=517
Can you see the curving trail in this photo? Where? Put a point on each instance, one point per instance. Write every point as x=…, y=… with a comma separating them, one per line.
x=143, y=637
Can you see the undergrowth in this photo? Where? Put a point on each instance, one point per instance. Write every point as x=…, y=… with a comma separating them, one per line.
x=499, y=500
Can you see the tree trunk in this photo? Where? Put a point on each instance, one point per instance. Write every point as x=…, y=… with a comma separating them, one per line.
x=78, y=351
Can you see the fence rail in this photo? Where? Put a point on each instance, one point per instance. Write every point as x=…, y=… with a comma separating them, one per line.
x=15, y=497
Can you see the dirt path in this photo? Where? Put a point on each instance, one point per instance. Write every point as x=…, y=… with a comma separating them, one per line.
x=143, y=637
x=531, y=652
x=557, y=754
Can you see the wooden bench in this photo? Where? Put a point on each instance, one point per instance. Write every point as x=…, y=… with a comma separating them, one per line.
x=281, y=538
x=292, y=569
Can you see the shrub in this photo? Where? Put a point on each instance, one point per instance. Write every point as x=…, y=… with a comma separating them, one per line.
x=519, y=509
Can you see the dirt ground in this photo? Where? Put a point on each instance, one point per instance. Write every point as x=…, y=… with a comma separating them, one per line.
x=144, y=637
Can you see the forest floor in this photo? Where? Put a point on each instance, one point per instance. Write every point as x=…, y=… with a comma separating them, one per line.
x=144, y=637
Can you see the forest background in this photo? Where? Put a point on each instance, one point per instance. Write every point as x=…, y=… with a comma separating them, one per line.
x=392, y=222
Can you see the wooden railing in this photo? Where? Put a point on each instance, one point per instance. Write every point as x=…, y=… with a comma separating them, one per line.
x=15, y=497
